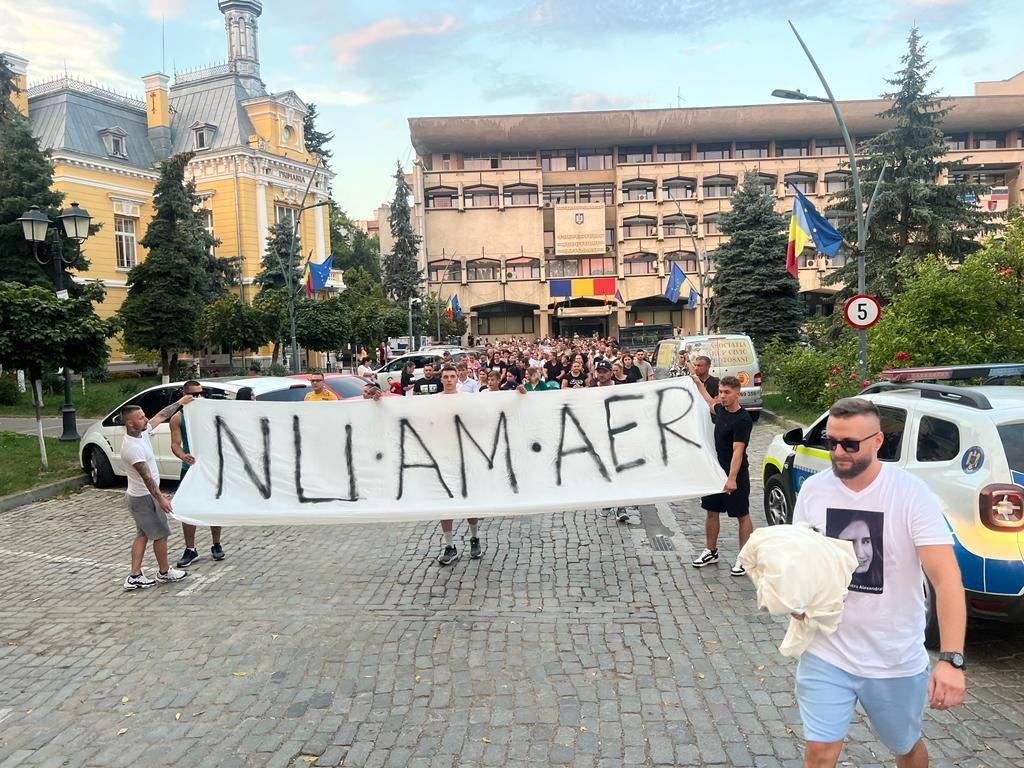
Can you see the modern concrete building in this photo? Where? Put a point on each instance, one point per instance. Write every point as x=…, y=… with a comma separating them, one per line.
x=506, y=204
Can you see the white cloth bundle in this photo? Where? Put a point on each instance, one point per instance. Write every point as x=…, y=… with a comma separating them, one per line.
x=798, y=570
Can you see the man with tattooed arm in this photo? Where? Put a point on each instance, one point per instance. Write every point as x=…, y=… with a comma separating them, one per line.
x=144, y=495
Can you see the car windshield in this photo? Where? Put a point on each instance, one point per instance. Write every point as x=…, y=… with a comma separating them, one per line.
x=346, y=386
x=1012, y=436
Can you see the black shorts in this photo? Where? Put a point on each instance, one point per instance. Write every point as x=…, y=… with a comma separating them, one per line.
x=735, y=504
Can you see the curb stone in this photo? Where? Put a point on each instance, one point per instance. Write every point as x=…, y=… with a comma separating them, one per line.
x=41, y=492
x=782, y=421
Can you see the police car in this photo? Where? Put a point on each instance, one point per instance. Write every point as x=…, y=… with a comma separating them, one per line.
x=967, y=444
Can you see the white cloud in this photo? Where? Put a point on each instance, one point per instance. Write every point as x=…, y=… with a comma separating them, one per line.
x=320, y=94
x=56, y=39
x=159, y=9
x=349, y=45
x=594, y=100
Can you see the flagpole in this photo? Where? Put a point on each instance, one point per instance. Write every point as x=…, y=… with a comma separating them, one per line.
x=700, y=262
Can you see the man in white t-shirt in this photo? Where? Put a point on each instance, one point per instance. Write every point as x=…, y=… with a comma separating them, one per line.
x=450, y=386
x=877, y=654
x=149, y=507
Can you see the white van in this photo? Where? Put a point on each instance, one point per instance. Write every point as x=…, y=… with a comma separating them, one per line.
x=732, y=354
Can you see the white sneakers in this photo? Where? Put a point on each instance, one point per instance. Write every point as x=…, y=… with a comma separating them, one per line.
x=142, y=581
x=709, y=556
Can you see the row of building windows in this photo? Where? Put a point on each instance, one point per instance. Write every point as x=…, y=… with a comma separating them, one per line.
x=633, y=264
x=603, y=159
x=679, y=188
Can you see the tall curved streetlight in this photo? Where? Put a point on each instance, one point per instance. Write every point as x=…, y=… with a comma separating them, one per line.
x=862, y=217
x=35, y=226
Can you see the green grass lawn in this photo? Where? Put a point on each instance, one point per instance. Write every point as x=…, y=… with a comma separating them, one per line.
x=21, y=469
x=98, y=399
x=776, y=403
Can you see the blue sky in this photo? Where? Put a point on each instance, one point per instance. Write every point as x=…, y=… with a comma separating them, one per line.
x=371, y=66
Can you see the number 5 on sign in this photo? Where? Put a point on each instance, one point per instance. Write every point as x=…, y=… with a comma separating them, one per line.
x=862, y=311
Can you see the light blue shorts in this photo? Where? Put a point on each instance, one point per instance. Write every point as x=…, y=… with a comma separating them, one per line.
x=827, y=696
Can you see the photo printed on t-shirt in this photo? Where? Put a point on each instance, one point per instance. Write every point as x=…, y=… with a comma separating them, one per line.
x=863, y=529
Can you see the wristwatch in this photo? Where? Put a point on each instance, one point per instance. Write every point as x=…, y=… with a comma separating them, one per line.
x=955, y=659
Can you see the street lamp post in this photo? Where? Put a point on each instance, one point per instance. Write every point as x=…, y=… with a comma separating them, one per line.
x=412, y=300
x=862, y=217
x=34, y=225
x=289, y=278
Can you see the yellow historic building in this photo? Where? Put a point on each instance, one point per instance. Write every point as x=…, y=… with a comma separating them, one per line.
x=251, y=167
x=506, y=205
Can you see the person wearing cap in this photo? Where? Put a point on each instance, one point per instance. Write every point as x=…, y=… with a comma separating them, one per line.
x=603, y=375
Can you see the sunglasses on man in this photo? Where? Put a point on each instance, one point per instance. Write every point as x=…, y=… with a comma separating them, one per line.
x=850, y=445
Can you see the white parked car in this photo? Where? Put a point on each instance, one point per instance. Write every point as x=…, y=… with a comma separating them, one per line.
x=967, y=444
x=99, y=450
x=393, y=369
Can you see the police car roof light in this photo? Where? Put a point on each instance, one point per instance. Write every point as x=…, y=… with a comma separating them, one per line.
x=990, y=372
x=956, y=395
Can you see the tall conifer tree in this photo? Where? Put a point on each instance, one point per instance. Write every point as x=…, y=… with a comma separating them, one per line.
x=169, y=288
x=914, y=215
x=401, y=272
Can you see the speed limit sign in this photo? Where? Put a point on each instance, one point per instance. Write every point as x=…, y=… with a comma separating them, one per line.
x=862, y=311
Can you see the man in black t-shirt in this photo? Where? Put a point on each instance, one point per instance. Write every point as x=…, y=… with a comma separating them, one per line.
x=702, y=367
x=732, y=436
x=430, y=384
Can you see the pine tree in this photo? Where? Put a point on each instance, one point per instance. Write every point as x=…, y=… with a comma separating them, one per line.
x=277, y=256
x=316, y=140
x=168, y=290
x=914, y=215
x=754, y=293
x=26, y=179
x=401, y=273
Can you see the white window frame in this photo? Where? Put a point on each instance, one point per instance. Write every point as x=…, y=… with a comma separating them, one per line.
x=125, y=244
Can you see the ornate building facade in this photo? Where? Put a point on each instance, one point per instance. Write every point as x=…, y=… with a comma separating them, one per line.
x=250, y=167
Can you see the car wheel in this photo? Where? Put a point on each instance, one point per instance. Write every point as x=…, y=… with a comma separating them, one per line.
x=99, y=469
x=931, y=618
x=778, y=507
x=754, y=415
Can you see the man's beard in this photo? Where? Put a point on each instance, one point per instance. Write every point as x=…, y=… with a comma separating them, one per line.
x=854, y=469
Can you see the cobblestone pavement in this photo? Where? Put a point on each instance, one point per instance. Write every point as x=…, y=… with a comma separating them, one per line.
x=574, y=641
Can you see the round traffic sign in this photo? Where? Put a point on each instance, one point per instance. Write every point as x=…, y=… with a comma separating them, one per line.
x=862, y=311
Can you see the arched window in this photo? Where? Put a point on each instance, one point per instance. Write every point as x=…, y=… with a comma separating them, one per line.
x=711, y=226
x=483, y=269
x=837, y=181
x=804, y=182
x=522, y=268
x=687, y=261
x=638, y=189
x=640, y=263
x=675, y=225
x=441, y=197
x=481, y=197
x=719, y=186
x=520, y=194
x=679, y=188
x=639, y=226
x=445, y=271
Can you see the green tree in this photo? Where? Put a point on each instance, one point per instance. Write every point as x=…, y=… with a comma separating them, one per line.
x=39, y=332
x=271, y=307
x=427, y=320
x=277, y=256
x=401, y=273
x=168, y=290
x=371, y=317
x=232, y=325
x=1007, y=253
x=321, y=325
x=914, y=216
x=755, y=295
x=970, y=314
x=316, y=140
x=26, y=179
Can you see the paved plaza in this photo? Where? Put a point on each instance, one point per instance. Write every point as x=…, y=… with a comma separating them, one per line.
x=574, y=641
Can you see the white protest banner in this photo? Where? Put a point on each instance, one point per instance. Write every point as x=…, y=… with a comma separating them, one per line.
x=446, y=456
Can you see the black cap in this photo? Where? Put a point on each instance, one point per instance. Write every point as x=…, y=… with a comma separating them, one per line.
x=603, y=365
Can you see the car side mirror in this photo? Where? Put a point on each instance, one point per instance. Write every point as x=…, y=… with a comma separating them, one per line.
x=794, y=437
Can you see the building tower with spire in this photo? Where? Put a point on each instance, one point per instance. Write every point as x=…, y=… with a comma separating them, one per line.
x=242, y=27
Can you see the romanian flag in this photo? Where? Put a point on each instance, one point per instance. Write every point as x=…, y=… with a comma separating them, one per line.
x=449, y=311
x=806, y=225
x=582, y=286
x=307, y=281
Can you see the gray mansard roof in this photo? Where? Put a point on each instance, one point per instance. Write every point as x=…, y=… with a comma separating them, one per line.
x=216, y=101
x=71, y=116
